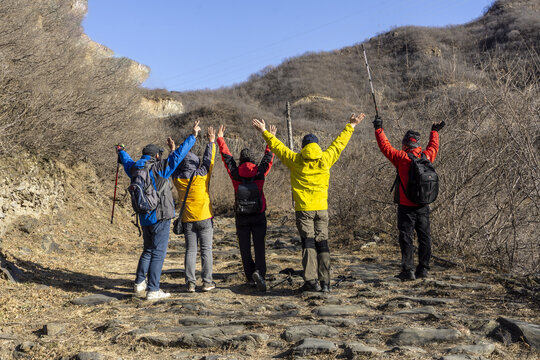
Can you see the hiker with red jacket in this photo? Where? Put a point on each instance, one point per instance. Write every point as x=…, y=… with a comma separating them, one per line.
x=411, y=215
x=250, y=206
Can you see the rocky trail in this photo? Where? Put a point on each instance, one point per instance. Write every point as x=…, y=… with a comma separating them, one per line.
x=83, y=308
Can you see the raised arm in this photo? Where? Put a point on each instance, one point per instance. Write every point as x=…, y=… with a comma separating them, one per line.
x=124, y=159
x=209, y=154
x=391, y=154
x=226, y=156
x=268, y=159
x=176, y=156
x=331, y=155
x=433, y=145
x=286, y=155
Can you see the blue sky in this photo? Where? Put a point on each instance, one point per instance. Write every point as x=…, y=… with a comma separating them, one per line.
x=215, y=43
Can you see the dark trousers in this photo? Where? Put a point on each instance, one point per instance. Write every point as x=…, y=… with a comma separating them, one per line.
x=410, y=219
x=156, y=239
x=252, y=228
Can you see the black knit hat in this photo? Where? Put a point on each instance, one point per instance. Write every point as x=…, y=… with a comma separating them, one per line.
x=152, y=150
x=308, y=139
x=411, y=139
x=246, y=156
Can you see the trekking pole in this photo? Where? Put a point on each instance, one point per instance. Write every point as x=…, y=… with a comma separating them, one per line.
x=290, y=137
x=370, y=82
x=115, y=186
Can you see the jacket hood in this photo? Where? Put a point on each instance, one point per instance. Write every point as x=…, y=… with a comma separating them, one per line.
x=312, y=151
x=189, y=164
x=248, y=170
x=415, y=151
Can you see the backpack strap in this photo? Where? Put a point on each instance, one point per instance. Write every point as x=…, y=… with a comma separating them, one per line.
x=185, y=196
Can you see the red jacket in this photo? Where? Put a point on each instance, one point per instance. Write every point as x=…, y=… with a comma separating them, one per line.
x=401, y=161
x=247, y=169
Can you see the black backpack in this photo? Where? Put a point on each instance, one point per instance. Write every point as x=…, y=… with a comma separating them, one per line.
x=144, y=197
x=248, y=198
x=423, y=184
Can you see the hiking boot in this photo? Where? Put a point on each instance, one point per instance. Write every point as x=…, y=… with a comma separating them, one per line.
x=157, y=295
x=140, y=288
x=406, y=275
x=191, y=287
x=208, y=286
x=310, y=285
x=421, y=273
x=325, y=287
x=259, y=280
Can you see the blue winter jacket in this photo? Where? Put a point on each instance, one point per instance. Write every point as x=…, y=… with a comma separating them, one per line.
x=163, y=168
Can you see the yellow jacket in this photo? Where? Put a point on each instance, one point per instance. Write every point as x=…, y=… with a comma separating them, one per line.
x=198, y=206
x=310, y=169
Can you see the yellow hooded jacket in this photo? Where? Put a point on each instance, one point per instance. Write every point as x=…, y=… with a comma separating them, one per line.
x=198, y=206
x=310, y=169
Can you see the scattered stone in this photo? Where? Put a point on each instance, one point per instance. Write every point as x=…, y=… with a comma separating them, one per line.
x=28, y=224
x=426, y=310
x=468, y=286
x=427, y=300
x=53, y=329
x=190, y=321
x=26, y=346
x=48, y=245
x=463, y=357
x=96, y=299
x=299, y=332
x=4, y=336
x=286, y=307
x=518, y=330
x=423, y=336
x=480, y=349
x=89, y=356
x=340, y=322
x=246, y=342
x=358, y=349
x=312, y=346
x=338, y=310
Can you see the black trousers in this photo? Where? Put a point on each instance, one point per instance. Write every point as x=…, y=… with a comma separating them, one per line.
x=410, y=219
x=252, y=228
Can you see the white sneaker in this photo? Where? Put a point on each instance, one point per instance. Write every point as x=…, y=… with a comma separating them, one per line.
x=208, y=286
x=140, y=288
x=157, y=295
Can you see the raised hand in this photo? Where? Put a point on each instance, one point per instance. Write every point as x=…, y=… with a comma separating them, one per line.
x=119, y=147
x=211, y=134
x=170, y=143
x=356, y=119
x=259, y=125
x=437, y=126
x=377, y=122
x=196, y=128
x=272, y=129
x=221, y=131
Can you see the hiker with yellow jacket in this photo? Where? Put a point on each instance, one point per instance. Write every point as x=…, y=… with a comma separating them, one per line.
x=197, y=217
x=310, y=177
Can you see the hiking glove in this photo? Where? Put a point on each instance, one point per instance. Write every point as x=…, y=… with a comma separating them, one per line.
x=377, y=123
x=438, y=127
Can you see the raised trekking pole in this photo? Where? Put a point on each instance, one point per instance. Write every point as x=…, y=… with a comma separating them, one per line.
x=116, y=182
x=370, y=82
x=289, y=134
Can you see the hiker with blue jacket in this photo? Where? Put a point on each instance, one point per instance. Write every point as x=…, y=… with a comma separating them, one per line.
x=156, y=224
x=192, y=181
x=411, y=215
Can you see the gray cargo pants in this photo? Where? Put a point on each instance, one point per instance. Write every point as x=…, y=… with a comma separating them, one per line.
x=313, y=229
x=198, y=232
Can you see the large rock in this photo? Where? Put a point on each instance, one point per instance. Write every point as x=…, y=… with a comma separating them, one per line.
x=479, y=349
x=96, y=299
x=338, y=310
x=311, y=346
x=519, y=330
x=299, y=332
x=355, y=349
x=424, y=336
